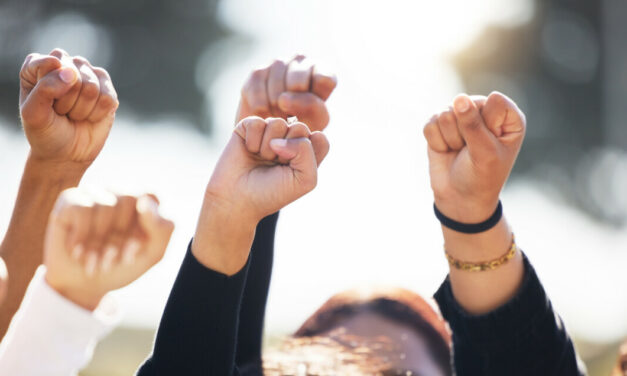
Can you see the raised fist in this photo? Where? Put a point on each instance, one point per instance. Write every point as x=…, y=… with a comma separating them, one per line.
x=266, y=165
x=96, y=243
x=472, y=149
x=288, y=88
x=67, y=107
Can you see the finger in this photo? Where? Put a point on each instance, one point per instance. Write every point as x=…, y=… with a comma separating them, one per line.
x=36, y=108
x=255, y=92
x=478, y=138
x=91, y=262
x=307, y=107
x=251, y=130
x=34, y=68
x=449, y=130
x=434, y=137
x=302, y=160
x=70, y=219
x=90, y=91
x=107, y=102
x=320, y=145
x=59, y=53
x=276, y=128
x=276, y=86
x=322, y=83
x=103, y=217
x=298, y=75
x=295, y=130
x=158, y=229
x=110, y=257
x=64, y=105
x=502, y=116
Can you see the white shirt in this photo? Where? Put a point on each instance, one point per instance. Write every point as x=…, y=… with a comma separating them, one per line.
x=50, y=335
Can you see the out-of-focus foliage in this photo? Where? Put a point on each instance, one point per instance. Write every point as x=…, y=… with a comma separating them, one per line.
x=567, y=73
x=150, y=47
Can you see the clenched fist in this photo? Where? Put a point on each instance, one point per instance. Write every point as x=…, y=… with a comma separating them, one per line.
x=96, y=243
x=288, y=88
x=67, y=107
x=266, y=165
x=472, y=149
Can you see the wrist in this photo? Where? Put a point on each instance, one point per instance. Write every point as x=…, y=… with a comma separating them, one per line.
x=223, y=236
x=466, y=210
x=65, y=174
x=85, y=299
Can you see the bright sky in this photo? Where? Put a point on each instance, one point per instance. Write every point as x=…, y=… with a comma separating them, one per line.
x=370, y=219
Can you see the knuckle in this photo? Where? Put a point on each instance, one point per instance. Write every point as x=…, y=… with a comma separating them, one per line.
x=108, y=102
x=59, y=51
x=79, y=60
x=90, y=90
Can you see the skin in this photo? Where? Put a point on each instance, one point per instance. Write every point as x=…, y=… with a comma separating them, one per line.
x=67, y=108
x=249, y=183
x=472, y=148
x=96, y=243
x=234, y=200
x=294, y=87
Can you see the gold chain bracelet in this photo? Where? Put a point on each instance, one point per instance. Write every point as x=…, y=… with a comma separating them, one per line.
x=483, y=266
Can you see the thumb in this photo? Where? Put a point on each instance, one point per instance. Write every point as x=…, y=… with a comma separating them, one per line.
x=38, y=105
x=302, y=159
x=480, y=141
x=308, y=107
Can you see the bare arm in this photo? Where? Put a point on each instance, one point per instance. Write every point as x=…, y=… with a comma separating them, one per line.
x=472, y=149
x=67, y=108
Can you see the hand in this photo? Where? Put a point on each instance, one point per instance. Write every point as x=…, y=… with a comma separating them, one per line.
x=266, y=165
x=288, y=88
x=472, y=148
x=98, y=243
x=67, y=107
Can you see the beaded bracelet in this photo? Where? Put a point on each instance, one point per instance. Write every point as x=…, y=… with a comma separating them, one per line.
x=483, y=266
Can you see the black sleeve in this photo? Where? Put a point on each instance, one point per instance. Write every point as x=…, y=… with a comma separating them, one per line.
x=198, y=328
x=253, y=308
x=522, y=337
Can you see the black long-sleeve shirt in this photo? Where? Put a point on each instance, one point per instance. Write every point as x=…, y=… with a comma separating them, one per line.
x=207, y=311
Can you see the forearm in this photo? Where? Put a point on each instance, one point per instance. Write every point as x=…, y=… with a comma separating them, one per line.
x=198, y=330
x=255, y=295
x=22, y=247
x=523, y=336
x=481, y=292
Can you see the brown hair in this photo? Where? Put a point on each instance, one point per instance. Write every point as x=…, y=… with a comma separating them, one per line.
x=397, y=304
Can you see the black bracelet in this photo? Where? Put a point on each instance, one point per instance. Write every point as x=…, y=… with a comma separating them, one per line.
x=470, y=228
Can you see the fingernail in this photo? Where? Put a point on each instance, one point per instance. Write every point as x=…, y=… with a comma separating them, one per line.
x=278, y=142
x=110, y=253
x=147, y=205
x=130, y=251
x=67, y=75
x=77, y=252
x=462, y=104
x=90, y=263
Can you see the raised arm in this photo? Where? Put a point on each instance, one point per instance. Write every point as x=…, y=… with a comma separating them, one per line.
x=502, y=321
x=266, y=165
x=95, y=243
x=67, y=108
x=284, y=88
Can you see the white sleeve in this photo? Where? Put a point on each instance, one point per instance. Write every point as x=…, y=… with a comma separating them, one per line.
x=50, y=335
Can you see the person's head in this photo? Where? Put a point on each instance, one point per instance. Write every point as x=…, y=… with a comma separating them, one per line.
x=372, y=331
